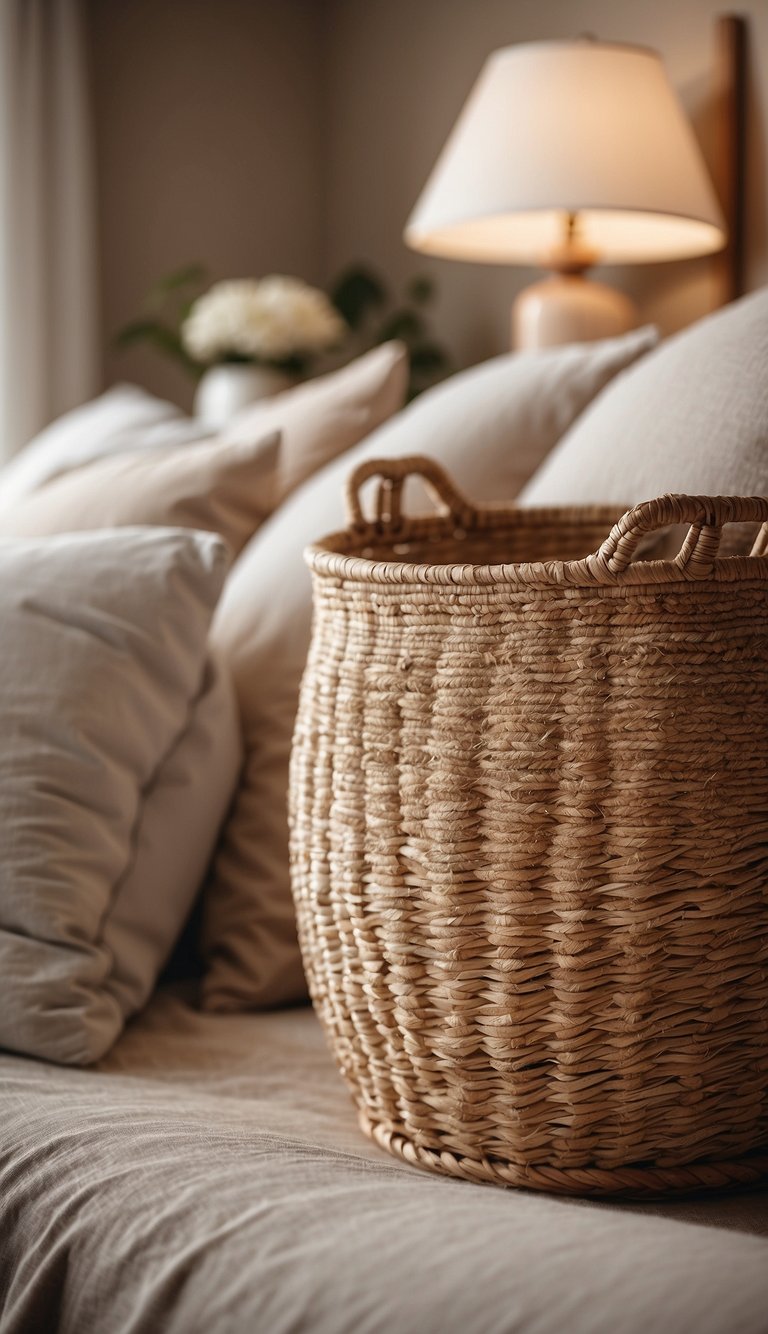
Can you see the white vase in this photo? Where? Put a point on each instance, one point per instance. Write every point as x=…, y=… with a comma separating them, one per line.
x=224, y=390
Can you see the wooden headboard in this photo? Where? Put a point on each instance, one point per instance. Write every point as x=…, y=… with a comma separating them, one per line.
x=730, y=166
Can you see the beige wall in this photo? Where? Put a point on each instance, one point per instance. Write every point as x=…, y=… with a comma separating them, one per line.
x=398, y=73
x=295, y=135
x=208, y=149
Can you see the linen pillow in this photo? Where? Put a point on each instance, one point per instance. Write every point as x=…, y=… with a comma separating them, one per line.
x=104, y=655
x=181, y=815
x=487, y=425
x=692, y=418
x=227, y=489
x=124, y=417
x=325, y=417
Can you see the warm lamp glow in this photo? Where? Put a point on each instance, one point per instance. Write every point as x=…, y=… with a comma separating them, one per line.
x=531, y=238
x=583, y=128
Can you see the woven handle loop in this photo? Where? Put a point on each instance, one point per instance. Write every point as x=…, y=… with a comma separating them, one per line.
x=760, y=544
x=706, y=515
x=393, y=474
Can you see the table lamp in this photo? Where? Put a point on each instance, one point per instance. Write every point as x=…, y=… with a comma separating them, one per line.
x=566, y=155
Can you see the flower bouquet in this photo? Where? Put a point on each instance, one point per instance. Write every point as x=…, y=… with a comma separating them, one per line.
x=256, y=336
x=278, y=322
x=247, y=338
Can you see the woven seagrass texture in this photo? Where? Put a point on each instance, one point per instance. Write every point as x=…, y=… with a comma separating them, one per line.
x=529, y=809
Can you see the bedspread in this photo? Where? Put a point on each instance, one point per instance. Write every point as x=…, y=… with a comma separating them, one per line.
x=209, y=1176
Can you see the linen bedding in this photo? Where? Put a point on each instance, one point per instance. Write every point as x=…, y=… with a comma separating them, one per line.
x=208, y=1175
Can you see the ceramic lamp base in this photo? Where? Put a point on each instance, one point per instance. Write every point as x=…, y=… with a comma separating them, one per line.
x=569, y=308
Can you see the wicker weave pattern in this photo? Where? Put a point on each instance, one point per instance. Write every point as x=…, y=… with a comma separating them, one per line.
x=530, y=841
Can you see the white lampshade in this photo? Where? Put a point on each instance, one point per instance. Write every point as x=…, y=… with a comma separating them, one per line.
x=581, y=127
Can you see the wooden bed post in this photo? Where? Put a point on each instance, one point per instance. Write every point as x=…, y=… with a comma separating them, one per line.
x=730, y=164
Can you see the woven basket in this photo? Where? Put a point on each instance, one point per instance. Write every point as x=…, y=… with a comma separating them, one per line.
x=529, y=807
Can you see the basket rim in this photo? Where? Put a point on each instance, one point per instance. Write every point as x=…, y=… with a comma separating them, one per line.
x=327, y=557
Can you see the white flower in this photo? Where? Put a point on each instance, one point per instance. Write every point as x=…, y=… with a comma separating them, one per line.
x=269, y=320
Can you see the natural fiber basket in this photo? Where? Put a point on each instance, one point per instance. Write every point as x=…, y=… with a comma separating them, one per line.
x=529, y=804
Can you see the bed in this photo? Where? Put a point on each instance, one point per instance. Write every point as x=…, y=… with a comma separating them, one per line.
x=206, y=1172
x=209, y=1174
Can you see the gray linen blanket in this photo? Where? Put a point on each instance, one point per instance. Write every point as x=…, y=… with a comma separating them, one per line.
x=209, y=1176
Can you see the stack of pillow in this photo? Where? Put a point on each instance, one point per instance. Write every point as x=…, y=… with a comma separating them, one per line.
x=147, y=689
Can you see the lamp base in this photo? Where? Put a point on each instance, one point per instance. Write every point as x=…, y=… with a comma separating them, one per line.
x=569, y=308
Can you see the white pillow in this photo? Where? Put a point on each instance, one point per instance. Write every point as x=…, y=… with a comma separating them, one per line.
x=489, y=426
x=692, y=417
x=124, y=418
x=104, y=657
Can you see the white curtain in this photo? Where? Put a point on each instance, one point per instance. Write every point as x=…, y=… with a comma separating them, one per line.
x=48, y=309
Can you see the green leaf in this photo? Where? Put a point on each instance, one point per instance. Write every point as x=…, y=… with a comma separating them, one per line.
x=135, y=332
x=429, y=359
x=420, y=289
x=158, y=335
x=297, y=364
x=356, y=293
x=405, y=324
x=184, y=277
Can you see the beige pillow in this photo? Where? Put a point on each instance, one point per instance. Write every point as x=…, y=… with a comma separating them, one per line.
x=327, y=416
x=182, y=811
x=692, y=418
x=489, y=426
x=225, y=488
x=104, y=656
x=124, y=418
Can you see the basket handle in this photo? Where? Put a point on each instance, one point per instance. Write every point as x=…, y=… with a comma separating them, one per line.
x=760, y=544
x=393, y=474
x=706, y=515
